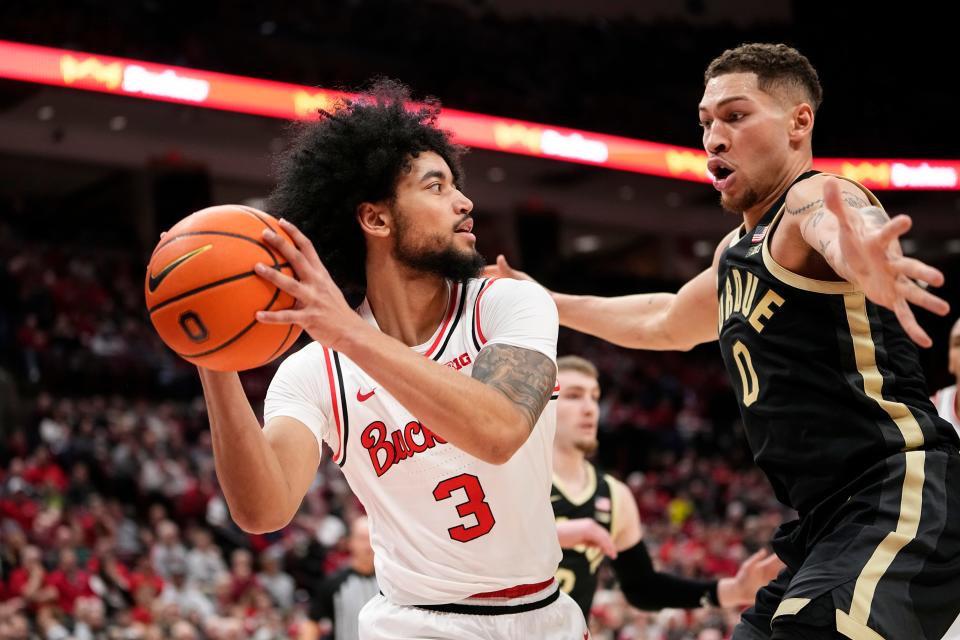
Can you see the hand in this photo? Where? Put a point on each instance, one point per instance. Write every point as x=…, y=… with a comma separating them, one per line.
x=755, y=572
x=877, y=264
x=502, y=269
x=585, y=531
x=321, y=309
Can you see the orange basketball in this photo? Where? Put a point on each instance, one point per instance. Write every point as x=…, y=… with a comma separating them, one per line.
x=202, y=292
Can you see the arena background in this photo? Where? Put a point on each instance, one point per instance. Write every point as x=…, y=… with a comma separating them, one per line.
x=103, y=439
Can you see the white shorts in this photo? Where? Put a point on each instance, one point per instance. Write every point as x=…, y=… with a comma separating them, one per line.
x=559, y=620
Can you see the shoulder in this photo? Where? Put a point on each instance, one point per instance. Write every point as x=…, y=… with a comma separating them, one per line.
x=490, y=289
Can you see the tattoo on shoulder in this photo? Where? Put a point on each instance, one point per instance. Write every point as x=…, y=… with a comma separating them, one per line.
x=854, y=199
x=876, y=215
x=824, y=245
x=810, y=206
x=525, y=376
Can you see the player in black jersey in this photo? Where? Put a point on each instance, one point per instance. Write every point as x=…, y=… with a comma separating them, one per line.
x=812, y=298
x=582, y=494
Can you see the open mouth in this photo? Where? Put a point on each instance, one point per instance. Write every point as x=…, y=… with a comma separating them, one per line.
x=722, y=173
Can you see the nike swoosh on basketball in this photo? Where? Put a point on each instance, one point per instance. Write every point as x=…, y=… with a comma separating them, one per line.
x=153, y=281
x=363, y=397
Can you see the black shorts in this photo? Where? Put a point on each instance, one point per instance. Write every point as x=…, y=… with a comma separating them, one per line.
x=881, y=562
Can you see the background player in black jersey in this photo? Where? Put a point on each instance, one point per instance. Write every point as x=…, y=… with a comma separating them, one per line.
x=583, y=494
x=813, y=295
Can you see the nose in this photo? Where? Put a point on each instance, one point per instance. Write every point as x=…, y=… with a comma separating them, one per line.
x=715, y=139
x=463, y=204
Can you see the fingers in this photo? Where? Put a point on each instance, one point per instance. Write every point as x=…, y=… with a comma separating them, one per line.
x=771, y=566
x=289, y=251
x=755, y=558
x=280, y=280
x=893, y=229
x=504, y=266
x=917, y=270
x=910, y=325
x=287, y=316
x=833, y=200
x=919, y=297
x=302, y=242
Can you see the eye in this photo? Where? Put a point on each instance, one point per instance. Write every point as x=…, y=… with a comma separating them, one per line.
x=705, y=124
x=736, y=115
x=435, y=187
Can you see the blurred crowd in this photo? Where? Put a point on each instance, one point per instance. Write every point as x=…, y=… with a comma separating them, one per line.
x=112, y=524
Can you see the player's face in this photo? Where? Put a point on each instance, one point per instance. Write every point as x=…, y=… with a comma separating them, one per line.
x=745, y=134
x=432, y=222
x=953, y=355
x=578, y=411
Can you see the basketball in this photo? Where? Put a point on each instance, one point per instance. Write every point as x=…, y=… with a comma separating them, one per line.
x=202, y=293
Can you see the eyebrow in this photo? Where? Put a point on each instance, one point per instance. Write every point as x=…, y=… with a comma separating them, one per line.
x=726, y=101
x=433, y=173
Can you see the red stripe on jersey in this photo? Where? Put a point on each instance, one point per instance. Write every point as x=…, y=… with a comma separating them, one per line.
x=446, y=321
x=334, y=398
x=483, y=340
x=517, y=591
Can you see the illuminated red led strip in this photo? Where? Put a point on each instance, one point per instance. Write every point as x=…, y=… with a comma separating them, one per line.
x=121, y=76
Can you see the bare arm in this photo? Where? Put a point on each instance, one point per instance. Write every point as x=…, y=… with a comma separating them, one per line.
x=489, y=415
x=862, y=245
x=264, y=473
x=655, y=321
x=629, y=530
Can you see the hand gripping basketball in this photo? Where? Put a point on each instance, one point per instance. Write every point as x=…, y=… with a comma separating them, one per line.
x=202, y=293
x=321, y=309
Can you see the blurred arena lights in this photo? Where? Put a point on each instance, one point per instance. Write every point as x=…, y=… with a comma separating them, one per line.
x=121, y=76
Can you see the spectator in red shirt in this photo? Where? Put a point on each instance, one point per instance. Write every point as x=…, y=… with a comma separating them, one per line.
x=70, y=581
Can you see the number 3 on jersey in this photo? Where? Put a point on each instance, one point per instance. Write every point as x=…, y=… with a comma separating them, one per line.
x=476, y=505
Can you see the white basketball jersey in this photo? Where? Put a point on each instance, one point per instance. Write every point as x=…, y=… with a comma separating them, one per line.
x=945, y=401
x=444, y=525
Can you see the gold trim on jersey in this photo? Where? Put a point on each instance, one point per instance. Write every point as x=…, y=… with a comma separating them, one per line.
x=864, y=352
x=791, y=606
x=853, y=629
x=911, y=505
x=796, y=280
x=587, y=492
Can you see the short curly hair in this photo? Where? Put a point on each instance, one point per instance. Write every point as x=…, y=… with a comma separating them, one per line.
x=776, y=65
x=357, y=153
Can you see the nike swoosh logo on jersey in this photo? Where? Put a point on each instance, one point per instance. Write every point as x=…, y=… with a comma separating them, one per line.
x=153, y=281
x=363, y=397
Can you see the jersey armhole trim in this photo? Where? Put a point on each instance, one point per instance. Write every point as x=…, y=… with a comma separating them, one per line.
x=338, y=401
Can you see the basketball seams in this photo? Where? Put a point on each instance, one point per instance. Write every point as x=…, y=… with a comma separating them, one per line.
x=211, y=285
x=240, y=334
x=228, y=234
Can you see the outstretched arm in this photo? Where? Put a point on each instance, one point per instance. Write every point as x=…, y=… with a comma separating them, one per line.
x=656, y=321
x=862, y=245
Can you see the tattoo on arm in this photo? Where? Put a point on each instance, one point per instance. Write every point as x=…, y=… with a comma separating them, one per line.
x=526, y=377
x=815, y=219
x=855, y=200
x=875, y=215
x=824, y=245
x=805, y=208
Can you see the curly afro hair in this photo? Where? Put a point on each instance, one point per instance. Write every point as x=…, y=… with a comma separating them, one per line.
x=353, y=155
x=775, y=65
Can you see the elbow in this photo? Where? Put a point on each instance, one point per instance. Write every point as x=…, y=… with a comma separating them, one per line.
x=500, y=450
x=258, y=523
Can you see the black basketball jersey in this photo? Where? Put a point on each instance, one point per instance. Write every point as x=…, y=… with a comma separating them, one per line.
x=577, y=573
x=828, y=382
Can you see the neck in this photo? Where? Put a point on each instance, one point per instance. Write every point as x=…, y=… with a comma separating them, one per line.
x=407, y=304
x=569, y=465
x=753, y=215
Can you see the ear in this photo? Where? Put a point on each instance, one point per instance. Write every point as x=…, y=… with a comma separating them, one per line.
x=801, y=124
x=375, y=219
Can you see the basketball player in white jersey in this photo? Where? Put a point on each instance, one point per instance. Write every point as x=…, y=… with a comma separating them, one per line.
x=946, y=400
x=436, y=393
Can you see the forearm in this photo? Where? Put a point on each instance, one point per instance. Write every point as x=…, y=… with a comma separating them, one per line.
x=646, y=588
x=248, y=470
x=465, y=412
x=632, y=321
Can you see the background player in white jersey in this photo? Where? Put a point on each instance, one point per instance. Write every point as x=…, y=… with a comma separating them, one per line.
x=945, y=400
x=581, y=491
x=451, y=462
